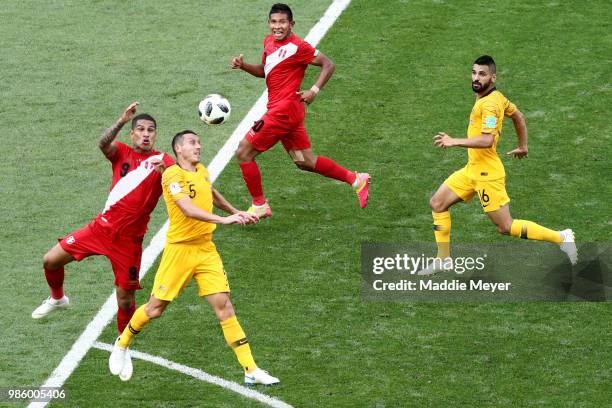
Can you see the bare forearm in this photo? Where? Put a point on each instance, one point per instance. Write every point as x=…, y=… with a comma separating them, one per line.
x=478, y=142
x=221, y=203
x=520, y=127
x=257, y=70
x=327, y=70
x=109, y=136
x=192, y=211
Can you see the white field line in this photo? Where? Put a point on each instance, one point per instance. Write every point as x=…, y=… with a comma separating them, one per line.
x=202, y=376
x=93, y=330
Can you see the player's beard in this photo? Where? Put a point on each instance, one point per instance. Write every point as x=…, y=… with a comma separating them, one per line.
x=479, y=87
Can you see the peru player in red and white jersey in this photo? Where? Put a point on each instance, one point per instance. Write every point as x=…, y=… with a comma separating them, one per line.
x=117, y=232
x=284, y=62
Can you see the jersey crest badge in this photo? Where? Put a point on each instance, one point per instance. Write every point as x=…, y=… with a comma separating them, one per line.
x=175, y=188
x=490, y=122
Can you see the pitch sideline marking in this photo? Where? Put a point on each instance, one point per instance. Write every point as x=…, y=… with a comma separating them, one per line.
x=93, y=330
x=202, y=376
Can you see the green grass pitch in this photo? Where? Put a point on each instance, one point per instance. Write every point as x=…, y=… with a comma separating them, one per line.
x=68, y=70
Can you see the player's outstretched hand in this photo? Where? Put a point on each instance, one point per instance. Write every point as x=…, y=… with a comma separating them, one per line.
x=129, y=113
x=307, y=96
x=241, y=218
x=249, y=218
x=520, y=152
x=443, y=140
x=234, y=219
x=158, y=164
x=237, y=62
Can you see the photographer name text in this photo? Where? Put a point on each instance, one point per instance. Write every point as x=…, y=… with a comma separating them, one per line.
x=444, y=286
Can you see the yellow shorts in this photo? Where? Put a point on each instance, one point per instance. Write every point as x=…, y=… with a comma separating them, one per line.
x=183, y=261
x=492, y=193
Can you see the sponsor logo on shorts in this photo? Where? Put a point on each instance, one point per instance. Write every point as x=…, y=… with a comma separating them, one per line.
x=70, y=240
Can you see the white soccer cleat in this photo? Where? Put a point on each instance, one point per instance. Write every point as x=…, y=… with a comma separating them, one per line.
x=262, y=211
x=50, y=305
x=117, y=359
x=260, y=376
x=128, y=368
x=569, y=245
x=438, y=265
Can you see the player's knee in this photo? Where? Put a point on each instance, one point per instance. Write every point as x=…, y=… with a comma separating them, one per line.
x=504, y=227
x=304, y=165
x=241, y=156
x=49, y=261
x=46, y=261
x=125, y=301
x=224, y=309
x=243, y=153
x=436, y=204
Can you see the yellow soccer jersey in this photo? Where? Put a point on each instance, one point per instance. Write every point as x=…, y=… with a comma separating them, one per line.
x=487, y=116
x=178, y=183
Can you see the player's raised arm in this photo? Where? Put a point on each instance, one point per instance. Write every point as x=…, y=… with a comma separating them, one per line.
x=520, y=126
x=327, y=70
x=256, y=70
x=109, y=135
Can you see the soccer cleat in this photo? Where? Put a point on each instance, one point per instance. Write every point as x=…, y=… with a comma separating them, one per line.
x=50, y=305
x=569, y=245
x=128, y=368
x=118, y=358
x=262, y=211
x=362, y=188
x=438, y=265
x=259, y=376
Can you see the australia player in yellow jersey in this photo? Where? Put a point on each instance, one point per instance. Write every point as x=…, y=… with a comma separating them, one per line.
x=484, y=173
x=191, y=254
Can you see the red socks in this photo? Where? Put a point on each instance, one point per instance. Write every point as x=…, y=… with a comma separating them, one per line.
x=55, y=280
x=252, y=178
x=324, y=166
x=124, y=316
x=329, y=168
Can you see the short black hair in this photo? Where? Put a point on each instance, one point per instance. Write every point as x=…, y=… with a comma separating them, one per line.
x=486, y=60
x=178, y=138
x=143, y=116
x=281, y=8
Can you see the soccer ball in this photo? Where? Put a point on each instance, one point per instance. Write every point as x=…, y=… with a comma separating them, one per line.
x=214, y=109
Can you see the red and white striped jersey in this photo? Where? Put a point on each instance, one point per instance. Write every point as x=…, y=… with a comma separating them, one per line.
x=285, y=63
x=134, y=192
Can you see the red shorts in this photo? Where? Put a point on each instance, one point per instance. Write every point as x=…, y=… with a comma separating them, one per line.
x=123, y=253
x=284, y=123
